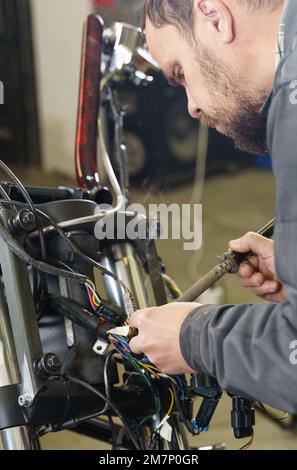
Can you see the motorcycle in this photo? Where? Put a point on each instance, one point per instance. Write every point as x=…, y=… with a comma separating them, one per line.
x=66, y=295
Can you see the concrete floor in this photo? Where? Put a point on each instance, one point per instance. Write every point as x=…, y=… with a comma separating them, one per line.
x=232, y=205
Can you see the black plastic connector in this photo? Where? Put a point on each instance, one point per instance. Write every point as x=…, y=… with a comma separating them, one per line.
x=242, y=417
x=205, y=386
x=205, y=414
x=111, y=313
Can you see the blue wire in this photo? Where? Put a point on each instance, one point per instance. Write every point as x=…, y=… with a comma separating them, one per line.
x=182, y=386
x=123, y=343
x=121, y=352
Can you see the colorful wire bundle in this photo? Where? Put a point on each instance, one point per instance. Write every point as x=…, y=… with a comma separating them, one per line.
x=94, y=298
x=148, y=371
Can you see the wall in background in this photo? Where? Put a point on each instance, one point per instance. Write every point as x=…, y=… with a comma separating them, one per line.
x=57, y=34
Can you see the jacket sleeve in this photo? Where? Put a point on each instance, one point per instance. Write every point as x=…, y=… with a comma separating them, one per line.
x=252, y=349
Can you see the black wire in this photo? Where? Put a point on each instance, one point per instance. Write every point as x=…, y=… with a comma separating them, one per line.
x=29, y=201
x=72, y=245
x=106, y=381
x=59, y=230
x=75, y=248
x=34, y=272
x=180, y=410
x=46, y=268
x=58, y=426
x=105, y=409
x=114, y=444
x=37, y=278
x=107, y=392
x=110, y=404
x=4, y=193
x=60, y=264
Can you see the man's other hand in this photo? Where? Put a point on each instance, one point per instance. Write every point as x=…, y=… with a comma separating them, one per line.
x=259, y=271
x=158, y=335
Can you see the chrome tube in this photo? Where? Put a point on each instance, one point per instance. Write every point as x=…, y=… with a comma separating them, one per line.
x=21, y=438
x=9, y=373
x=121, y=260
x=18, y=438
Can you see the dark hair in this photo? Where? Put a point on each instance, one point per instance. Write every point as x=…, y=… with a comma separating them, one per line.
x=179, y=13
x=175, y=12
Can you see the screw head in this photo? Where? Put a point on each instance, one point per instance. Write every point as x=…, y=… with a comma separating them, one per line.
x=27, y=218
x=47, y=365
x=25, y=400
x=52, y=361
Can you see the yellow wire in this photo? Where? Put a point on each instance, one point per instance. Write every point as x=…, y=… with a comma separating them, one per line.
x=95, y=300
x=167, y=376
x=172, y=402
x=145, y=366
x=154, y=367
x=90, y=285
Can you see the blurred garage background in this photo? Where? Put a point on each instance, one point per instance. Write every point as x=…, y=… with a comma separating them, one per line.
x=169, y=162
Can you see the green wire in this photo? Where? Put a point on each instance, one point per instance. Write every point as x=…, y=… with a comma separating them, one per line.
x=140, y=370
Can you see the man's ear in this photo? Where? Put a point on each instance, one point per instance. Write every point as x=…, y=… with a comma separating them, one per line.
x=218, y=17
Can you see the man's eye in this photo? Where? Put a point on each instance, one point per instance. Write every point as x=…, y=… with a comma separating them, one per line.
x=180, y=77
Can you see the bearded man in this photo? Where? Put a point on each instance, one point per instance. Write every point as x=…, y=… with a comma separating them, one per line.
x=237, y=61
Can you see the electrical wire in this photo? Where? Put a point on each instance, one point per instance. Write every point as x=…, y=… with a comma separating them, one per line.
x=106, y=382
x=104, y=410
x=248, y=445
x=180, y=410
x=152, y=369
x=46, y=268
x=110, y=404
x=29, y=201
x=113, y=433
x=270, y=415
x=49, y=269
x=80, y=253
x=171, y=403
x=4, y=193
x=94, y=298
x=75, y=249
x=122, y=346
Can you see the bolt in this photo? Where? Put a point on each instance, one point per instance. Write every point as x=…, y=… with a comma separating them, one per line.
x=25, y=400
x=53, y=362
x=23, y=221
x=47, y=365
x=27, y=219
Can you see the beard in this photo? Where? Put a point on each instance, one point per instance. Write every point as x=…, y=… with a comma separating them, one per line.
x=242, y=121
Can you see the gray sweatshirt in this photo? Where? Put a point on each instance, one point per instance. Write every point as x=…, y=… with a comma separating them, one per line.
x=252, y=348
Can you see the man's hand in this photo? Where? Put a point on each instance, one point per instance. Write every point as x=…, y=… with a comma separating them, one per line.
x=259, y=271
x=158, y=338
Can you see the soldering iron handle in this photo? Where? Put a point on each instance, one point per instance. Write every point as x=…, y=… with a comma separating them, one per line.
x=266, y=231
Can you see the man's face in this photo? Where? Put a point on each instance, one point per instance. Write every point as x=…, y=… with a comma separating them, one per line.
x=218, y=88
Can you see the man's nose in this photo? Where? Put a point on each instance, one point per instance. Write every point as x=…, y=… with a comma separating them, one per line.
x=192, y=107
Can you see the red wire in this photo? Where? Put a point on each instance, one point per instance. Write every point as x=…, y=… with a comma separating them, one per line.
x=91, y=299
